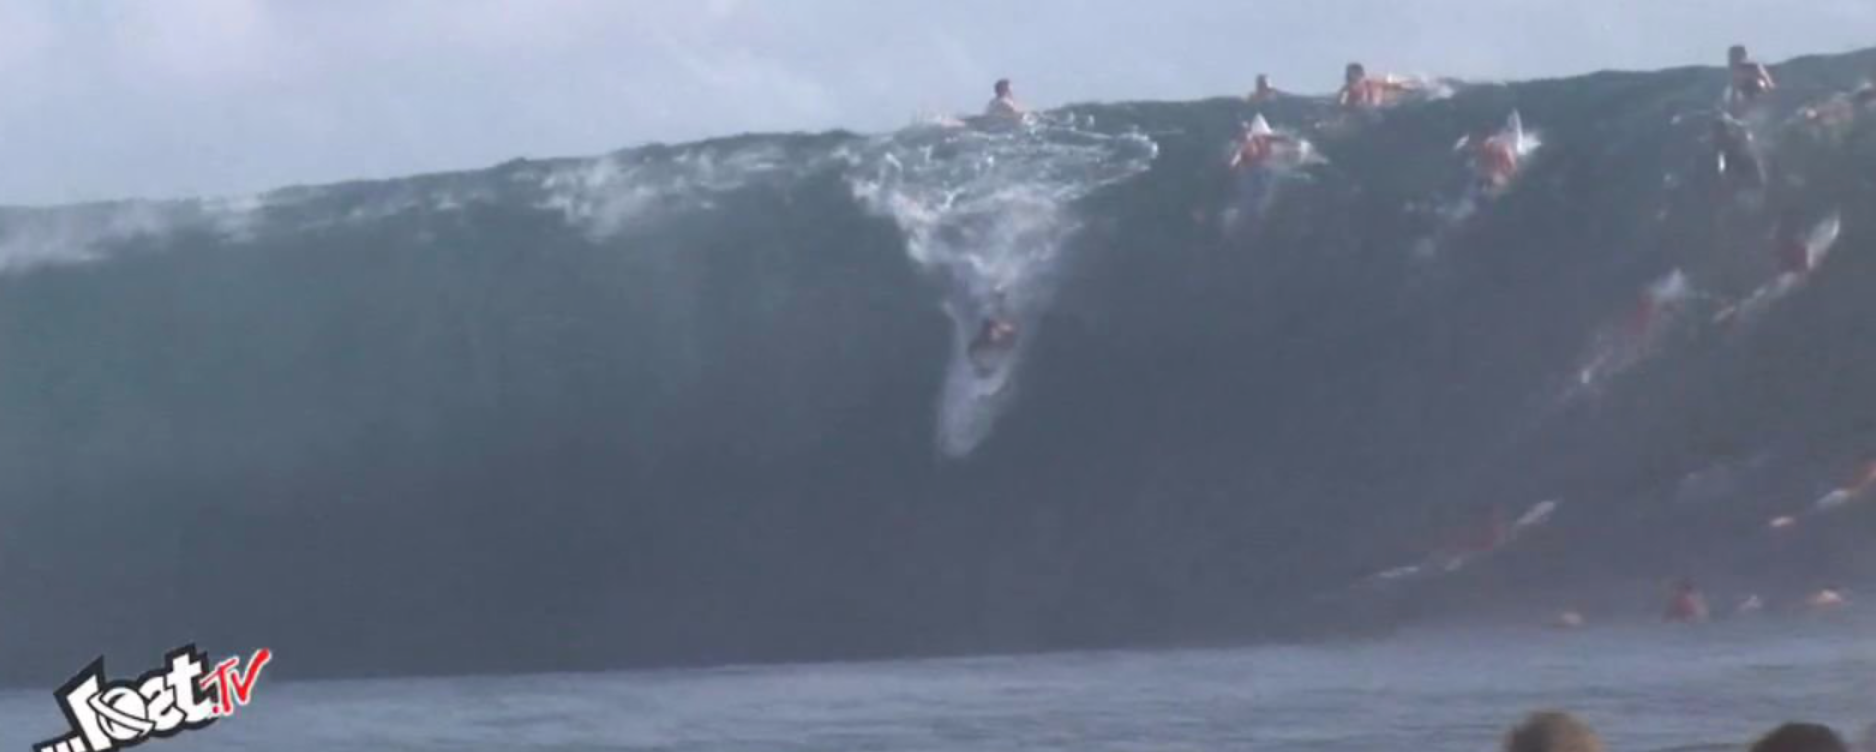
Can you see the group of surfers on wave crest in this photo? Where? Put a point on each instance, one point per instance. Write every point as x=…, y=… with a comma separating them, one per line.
x=1494, y=158
x=1259, y=146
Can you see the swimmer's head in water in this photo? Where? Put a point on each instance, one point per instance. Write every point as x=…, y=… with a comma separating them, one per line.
x=1354, y=73
x=1736, y=54
x=1552, y=731
x=1003, y=87
x=1801, y=737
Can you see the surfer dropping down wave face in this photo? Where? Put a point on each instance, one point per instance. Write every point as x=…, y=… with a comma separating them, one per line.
x=1494, y=159
x=994, y=339
x=1791, y=251
x=1750, y=79
x=1004, y=105
x=1361, y=91
x=1686, y=605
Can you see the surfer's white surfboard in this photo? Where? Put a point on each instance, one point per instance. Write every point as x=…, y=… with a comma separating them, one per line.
x=1823, y=237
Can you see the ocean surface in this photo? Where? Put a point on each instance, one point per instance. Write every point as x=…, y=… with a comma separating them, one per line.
x=1645, y=687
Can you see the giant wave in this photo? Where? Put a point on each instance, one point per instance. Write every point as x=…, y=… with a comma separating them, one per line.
x=710, y=402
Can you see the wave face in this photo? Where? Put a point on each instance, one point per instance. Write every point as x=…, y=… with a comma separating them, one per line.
x=717, y=402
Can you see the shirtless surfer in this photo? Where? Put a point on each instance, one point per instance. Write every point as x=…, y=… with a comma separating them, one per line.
x=1840, y=109
x=1264, y=91
x=1360, y=91
x=1750, y=79
x=1005, y=104
x=1258, y=144
x=996, y=337
x=1494, y=160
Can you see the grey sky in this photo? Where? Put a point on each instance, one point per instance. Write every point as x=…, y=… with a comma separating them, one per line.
x=165, y=98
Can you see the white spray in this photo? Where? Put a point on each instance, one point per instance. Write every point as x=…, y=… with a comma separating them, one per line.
x=986, y=210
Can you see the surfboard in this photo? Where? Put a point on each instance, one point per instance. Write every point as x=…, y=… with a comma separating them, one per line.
x=1514, y=131
x=1537, y=515
x=1822, y=238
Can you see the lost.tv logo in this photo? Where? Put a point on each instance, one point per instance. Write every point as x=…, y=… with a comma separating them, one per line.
x=166, y=701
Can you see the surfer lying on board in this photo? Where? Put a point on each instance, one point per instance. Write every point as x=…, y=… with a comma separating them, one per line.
x=1257, y=145
x=1750, y=79
x=1839, y=110
x=1358, y=90
x=994, y=339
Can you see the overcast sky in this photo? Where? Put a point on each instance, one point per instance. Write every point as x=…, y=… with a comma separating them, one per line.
x=165, y=98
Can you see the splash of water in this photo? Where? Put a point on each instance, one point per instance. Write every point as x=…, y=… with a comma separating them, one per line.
x=985, y=209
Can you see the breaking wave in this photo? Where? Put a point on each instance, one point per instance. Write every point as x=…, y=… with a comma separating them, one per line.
x=705, y=402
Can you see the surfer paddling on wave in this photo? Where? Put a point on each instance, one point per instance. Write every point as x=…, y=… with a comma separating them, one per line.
x=1750, y=78
x=1360, y=91
x=1264, y=92
x=1004, y=105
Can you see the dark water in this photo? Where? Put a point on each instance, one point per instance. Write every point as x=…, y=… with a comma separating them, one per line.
x=708, y=403
x=1644, y=686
